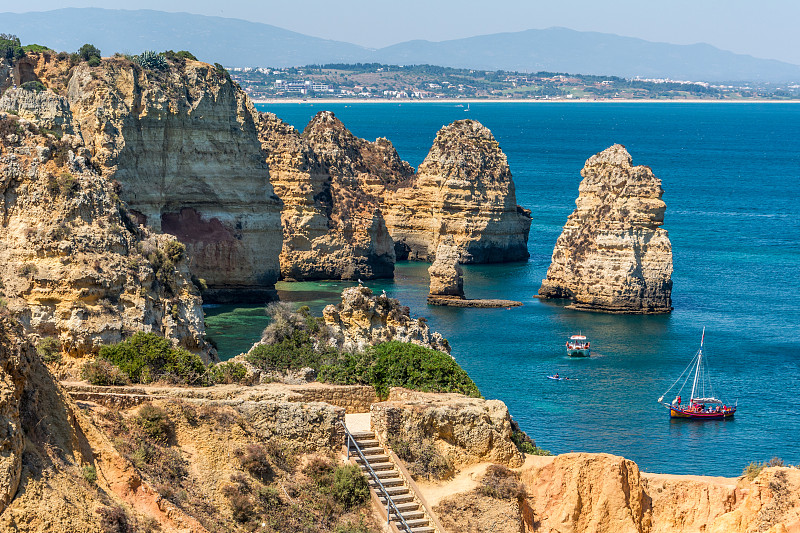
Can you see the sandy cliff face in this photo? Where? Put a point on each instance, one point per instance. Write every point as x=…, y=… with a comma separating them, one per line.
x=613, y=255
x=73, y=264
x=447, y=277
x=464, y=189
x=182, y=143
x=331, y=184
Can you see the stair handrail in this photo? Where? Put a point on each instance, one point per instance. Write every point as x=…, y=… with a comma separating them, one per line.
x=389, y=501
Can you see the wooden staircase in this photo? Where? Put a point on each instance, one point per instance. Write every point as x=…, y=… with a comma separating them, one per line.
x=391, y=488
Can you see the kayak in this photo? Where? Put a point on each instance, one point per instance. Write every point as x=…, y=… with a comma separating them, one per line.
x=559, y=378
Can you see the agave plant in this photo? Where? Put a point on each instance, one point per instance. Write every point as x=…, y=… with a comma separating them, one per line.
x=151, y=60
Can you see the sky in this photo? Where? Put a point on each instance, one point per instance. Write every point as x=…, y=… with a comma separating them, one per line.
x=765, y=28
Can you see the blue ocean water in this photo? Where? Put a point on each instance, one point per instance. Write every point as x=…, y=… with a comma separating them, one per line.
x=731, y=174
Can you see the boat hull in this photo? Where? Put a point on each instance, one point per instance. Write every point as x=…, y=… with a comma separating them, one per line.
x=701, y=415
x=579, y=352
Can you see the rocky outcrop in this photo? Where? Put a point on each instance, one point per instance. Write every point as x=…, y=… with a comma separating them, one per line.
x=73, y=264
x=613, y=255
x=466, y=430
x=182, y=142
x=331, y=184
x=463, y=189
x=447, y=277
x=363, y=320
x=581, y=493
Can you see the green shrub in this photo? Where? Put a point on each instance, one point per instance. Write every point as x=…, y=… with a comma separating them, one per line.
x=10, y=47
x=35, y=48
x=100, y=372
x=752, y=470
x=49, y=349
x=146, y=357
x=524, y=443
x=150, y=59
x=352, y=527
x=34, y=86
x=399, y=364
x=89, y=474
x=88, y=51
x=94, y=61
x=180, y=55
x=228, y=372
x=349, y=488
x=269, y=498
x=154, y=422
x=240, y=503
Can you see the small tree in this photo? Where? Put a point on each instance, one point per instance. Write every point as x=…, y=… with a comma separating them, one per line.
x=88, y=51
x=10, y=47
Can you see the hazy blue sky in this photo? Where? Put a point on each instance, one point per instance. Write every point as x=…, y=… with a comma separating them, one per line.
x=763, y=28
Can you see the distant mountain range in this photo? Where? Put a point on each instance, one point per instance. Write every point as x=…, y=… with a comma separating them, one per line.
x=235, y=42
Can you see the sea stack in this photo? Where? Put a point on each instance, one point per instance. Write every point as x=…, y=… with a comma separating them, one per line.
x=331, y=184
x=464, y=189
x=613, y=255
x=447, y=278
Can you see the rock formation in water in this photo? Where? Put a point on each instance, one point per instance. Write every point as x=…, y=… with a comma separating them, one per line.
x=613, y=255
x=447, y=277
x=183, y=145
x=463, y=189
x=363, y=320
x=331, y=184
x=73, y=264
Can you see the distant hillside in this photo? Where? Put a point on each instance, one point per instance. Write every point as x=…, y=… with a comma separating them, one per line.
x=564, y=50
x=213, y=39
x=236, y=42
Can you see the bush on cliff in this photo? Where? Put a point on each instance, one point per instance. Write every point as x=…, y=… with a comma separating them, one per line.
x=89, y=51
x=146, y=357
x=10, y=47
x=401, y=364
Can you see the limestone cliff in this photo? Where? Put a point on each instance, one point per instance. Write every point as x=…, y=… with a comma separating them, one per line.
x=613, y=255
x=182, y=143
x=465, y=430
x=363, y=320
x=464, y=189
x=73, y=264
x=331, y=184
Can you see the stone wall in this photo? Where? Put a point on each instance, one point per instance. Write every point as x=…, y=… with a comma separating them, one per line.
x=352, y=398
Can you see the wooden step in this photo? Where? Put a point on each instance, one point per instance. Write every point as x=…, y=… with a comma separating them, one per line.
x=417, y=529
x=370, y=451
x=373, y=459
x=397, y=490
x=409, y=507
x=359, y=435
x=411, y=515
x=397, y=498
x=383, y=474
x=367, y=443
x=388, y=482
x=376, y=466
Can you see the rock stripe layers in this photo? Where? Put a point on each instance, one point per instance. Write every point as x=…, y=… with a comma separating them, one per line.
x=613, y=255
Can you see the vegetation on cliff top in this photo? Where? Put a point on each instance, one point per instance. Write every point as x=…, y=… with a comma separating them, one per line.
x=295, y=340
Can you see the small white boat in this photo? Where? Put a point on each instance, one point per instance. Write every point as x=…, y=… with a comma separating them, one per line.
x=578, y=346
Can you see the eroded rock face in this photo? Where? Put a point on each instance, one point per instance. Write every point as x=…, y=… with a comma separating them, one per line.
x=613, y=255
x=73, y=264
x=331, y=184
x=463, y=189
x=363, y=320
x=467, y=430
x=447, y=277
x=183, y=144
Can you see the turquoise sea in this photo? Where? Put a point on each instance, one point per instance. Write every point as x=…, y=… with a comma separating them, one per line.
x=731, y=174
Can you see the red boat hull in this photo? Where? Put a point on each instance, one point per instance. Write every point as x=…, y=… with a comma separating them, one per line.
x=677, y=412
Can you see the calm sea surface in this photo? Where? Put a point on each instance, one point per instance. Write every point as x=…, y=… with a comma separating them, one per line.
x=731, y=175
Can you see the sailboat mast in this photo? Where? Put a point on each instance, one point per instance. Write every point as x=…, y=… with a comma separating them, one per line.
x=699, y=361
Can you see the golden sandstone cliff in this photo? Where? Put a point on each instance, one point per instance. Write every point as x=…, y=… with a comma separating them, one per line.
x=613, y=255
x=182, y=143
x=75, y=266
x=464, y=189
x=331, y=184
